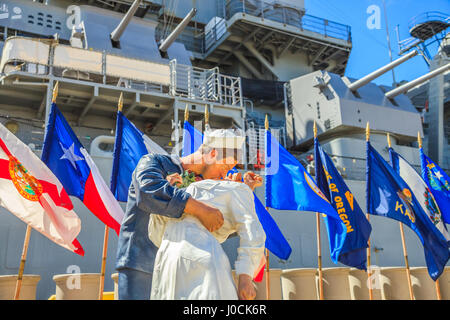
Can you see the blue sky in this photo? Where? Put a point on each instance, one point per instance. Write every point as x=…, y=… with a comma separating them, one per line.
x=370, y=48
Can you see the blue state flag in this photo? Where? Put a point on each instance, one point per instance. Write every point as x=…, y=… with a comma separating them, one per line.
x=388, y=195
x=130, y=145
x=275, y=241
x=290, y=187
x=192, y=139
x=421, y=191
x=358, y=228
x=439, y=184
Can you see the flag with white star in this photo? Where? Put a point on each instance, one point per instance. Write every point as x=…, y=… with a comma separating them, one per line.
x=68, y=159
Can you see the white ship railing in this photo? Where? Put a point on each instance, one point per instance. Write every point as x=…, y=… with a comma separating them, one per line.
x=281, y=12
x=215, y=33
x=427, y=17
x=273, y=10
x=205, y=84
x=46, y=57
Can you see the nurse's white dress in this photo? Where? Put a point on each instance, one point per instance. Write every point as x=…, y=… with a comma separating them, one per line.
x=190, y=263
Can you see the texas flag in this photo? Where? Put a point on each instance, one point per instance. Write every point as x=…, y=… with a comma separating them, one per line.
x=30, y=191
x=68, y=159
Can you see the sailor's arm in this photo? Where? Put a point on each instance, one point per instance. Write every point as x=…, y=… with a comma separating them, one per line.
x=154, y=194
x=209, y=216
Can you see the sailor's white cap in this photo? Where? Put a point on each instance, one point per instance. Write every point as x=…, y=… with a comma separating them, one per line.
x=224, y=138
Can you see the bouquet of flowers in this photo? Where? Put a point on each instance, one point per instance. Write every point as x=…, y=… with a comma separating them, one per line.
x=188, y=177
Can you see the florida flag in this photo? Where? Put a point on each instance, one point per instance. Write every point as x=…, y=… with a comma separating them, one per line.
x=30, y=190
x=66, y=157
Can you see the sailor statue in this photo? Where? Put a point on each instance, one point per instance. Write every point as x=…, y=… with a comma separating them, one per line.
x=153, y=191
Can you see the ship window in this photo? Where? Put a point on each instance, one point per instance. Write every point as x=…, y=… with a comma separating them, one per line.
x=40, y=24
x=58, y=23
x=108, y=147
x=40, y=14
x=31, y=21
x=58, y=28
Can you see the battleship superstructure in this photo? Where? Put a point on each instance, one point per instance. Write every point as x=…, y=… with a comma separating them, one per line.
x=241, y=59
x=432, y=98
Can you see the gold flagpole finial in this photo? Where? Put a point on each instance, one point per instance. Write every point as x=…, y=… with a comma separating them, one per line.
x=120, y=103
x=367, y=131
x=388, y=139
x=55, y=92
x=266, y=122
x=206, y=115
x=419, y=139
x=315, y=129
x=186, y=113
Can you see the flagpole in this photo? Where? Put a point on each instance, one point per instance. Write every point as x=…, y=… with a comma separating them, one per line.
x=438, y=289
x=319, y=243
x=22, y=262
x=405, y=253
x=206, y=117
x=55, y=92
x=106, y=233
x=266, y=125
x=26, y=242
x=186, y=113
x=368, y=240
x=319, y=256
x=102, y=272
x=28, y=231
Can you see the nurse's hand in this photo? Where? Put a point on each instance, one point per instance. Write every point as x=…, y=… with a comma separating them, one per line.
x=174, y=179
x=246, y=288
x=236, y=177
x=253, y=180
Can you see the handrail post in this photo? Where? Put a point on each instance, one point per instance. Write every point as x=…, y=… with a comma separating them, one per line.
x=189, y=83
x=219, y=87
x=240, y=93
x=262, y=10
x=51, y=58
x=173, y=76
x=104, y=66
